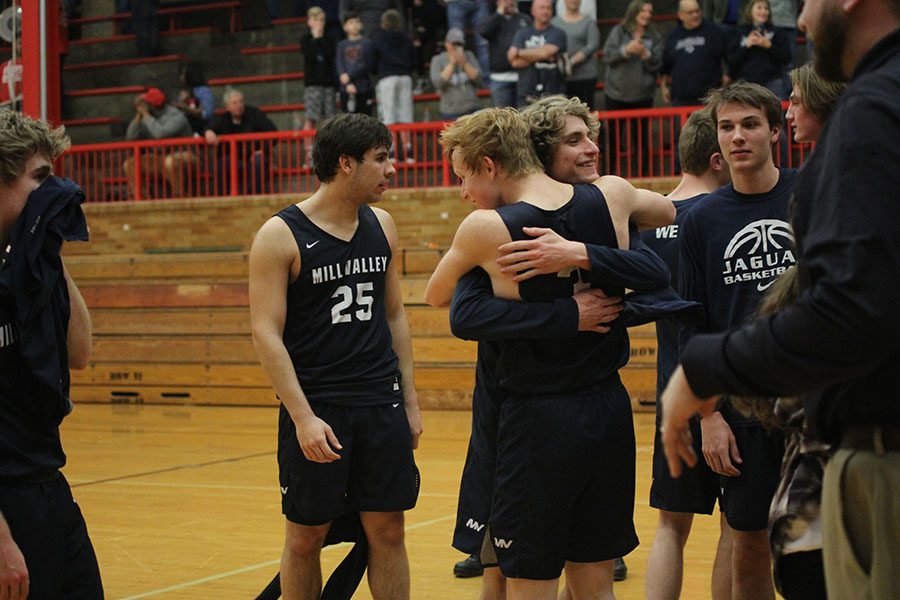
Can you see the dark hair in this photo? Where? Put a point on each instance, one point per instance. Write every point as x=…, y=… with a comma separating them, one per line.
x=193, y=74
x=346, y=135
x=747, y=14
x=350, y=14
x=629, y=19
x=748, y=94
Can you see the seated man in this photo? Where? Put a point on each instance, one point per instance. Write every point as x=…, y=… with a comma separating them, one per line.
x=551, y=384
x=252, y=157
x=156, y=119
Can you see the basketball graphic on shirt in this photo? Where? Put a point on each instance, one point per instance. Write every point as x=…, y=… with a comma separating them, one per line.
x=759, y=252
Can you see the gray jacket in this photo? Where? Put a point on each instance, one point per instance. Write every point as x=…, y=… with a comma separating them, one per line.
x=169, y=123
x=629, y=78
x=458, y=96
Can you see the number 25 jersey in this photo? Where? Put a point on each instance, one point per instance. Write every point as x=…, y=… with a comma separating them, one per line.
x=336, y=329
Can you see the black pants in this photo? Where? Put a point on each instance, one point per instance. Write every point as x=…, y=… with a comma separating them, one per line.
x=802, y=576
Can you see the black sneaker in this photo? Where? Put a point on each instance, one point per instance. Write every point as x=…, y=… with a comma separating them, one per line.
x=471, y=567
x=620, y=570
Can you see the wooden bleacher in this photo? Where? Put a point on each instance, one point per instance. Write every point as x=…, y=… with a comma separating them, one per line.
x=166, y=283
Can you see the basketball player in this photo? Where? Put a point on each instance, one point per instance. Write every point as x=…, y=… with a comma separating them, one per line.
x=703, y=170
x=45, y=329
x=330, y=330
x=562, y=394
x=564, y=131
x=732, y=247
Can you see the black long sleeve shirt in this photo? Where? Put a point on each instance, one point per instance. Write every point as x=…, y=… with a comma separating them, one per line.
x=839, y=344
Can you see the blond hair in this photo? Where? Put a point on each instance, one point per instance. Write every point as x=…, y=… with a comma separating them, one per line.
x=498, y=133
x=817, y=95
x=546, y=118
x=22, y=137
x=315, y=11
x=697, y=142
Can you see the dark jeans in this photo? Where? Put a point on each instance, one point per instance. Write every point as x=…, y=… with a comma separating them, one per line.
x=145, y=22
x=585, y=90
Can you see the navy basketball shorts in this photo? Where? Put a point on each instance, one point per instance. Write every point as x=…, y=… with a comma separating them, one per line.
x=376, y=471
x=476, y=488
x=49, y=529
x=696, y=491
x=746, y=498
x=565, y=481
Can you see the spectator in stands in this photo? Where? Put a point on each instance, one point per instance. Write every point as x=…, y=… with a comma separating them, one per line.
x=156, y=119
x=534, y=52
x=370, y=12
x=195, y=99
x=692, y=58
x=355, y=62
x=456, y=77
x=252, y=157
x=759, y=52
x=499, y=30
x=429, y=26
x=582, y=42
x=394, y=56
x=319, y=48
x=468, y=15
x=633, y=56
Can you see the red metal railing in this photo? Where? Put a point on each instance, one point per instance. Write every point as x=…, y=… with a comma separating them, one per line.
x=633, y=143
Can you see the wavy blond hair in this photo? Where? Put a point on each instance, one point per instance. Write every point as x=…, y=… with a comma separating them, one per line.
x=547, y=119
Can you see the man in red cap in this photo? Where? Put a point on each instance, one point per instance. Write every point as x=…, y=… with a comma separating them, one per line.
x=156, y=119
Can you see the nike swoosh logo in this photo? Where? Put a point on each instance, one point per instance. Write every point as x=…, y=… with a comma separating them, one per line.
x=395, y=405
x=764, y=286
x=313, y=244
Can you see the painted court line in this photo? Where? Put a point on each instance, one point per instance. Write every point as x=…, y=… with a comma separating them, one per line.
x=270, y=563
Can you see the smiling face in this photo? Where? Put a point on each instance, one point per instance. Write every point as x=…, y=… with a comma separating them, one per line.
x=645, y=15
x=760, y=13
x=369, y=178
x=804, y=124
x=575, y=160
x=477, y=187
x=745, y=137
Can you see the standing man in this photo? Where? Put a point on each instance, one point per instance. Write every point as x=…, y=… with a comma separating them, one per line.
x=45, y=551
x=319, y=49
x=499, y=30
x=533, y=53
x=563, y=518
x=703, y=171
x=692, y=57
x=837, y=344
x=732, y=247
x=330, y=330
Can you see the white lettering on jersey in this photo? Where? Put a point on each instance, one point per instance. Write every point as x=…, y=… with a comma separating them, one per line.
x=760, y=252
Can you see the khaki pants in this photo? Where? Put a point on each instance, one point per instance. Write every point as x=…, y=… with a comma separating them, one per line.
x=861, y=525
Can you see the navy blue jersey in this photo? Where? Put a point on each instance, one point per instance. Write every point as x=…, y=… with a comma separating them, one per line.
x=30, y=448
x=562, y=365
x=664, y=241
x=693, y=59
x=336, y=330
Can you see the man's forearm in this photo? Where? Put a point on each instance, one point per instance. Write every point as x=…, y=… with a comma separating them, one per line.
x=402, y=344
x=276, y=362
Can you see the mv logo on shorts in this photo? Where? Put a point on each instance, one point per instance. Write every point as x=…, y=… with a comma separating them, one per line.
x=283, y=490
x=760, y=252
x=501, y=543
x=473, y=524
